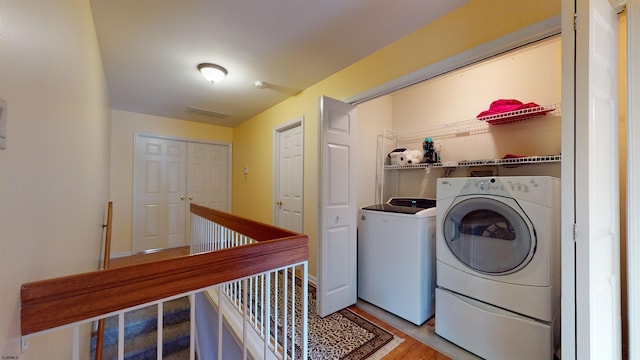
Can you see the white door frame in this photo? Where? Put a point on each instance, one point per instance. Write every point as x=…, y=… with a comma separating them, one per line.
x=277, y=131
x=137, y=135
x=633, y=177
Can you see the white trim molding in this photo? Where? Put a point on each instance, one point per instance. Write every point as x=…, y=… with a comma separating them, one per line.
x=633, y=177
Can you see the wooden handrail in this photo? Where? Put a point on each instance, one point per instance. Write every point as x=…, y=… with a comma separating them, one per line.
x=253, y=229
x=56, y=302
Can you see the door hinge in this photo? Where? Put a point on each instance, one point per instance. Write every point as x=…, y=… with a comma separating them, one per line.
x=575, y=21
x=575, y=232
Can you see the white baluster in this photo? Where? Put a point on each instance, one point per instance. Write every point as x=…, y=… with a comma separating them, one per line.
x=159, y=334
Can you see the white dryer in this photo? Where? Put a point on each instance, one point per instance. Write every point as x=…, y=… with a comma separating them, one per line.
x=498, y=265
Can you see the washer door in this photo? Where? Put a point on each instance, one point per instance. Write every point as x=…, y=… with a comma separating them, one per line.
x=488, y=235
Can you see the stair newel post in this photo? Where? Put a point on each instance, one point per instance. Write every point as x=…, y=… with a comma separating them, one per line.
x=107, y=254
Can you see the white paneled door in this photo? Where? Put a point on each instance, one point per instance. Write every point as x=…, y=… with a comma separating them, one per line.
x=594, y=309
x=159, y=196
x=289, y=190
x=337, y=266
x=208, y=177
x=169, y=174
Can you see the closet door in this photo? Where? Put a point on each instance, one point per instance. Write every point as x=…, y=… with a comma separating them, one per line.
x=208, y=175
x=337, y=253
x=591, y=323
x=207, y=179
x=159, y=210
x=169, y=175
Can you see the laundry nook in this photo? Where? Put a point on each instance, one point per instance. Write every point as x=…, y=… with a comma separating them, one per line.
x=461, y=238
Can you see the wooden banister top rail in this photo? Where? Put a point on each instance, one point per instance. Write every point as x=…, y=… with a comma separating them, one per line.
x=56, y=302
x=255, y=230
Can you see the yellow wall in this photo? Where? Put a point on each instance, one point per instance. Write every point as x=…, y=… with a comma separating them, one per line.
x=54, y=173
x=471, y=25
x=124, y=125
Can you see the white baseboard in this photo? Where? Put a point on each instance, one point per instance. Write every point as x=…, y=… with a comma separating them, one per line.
x=120, y=254
x=313, y=280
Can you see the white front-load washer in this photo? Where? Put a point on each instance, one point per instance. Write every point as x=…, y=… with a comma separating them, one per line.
x=498, y=265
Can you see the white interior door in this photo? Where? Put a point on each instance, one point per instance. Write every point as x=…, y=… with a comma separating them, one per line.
x=337, y=266
x=596, y=313
x=289, y=189
x=159, y=202
x=169, y=174
x=208, y=175
x=207, y=179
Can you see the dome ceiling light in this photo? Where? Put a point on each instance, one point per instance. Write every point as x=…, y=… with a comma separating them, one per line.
x=212, y=72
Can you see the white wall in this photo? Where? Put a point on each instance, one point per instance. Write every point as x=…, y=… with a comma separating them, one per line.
x=54, y=172
x=530, y=74
x=373, y=117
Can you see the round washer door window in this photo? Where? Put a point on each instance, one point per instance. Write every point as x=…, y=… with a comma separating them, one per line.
x=488, y=235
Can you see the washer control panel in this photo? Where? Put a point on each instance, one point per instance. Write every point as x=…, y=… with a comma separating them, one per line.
x=542, y=190
x=504, y=186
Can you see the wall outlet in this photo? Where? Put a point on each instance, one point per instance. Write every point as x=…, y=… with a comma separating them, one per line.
x=3, y=124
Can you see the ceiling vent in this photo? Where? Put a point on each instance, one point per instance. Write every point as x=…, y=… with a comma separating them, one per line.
x=209, y=113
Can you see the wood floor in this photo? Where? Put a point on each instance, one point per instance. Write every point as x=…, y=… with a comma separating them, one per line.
x=410, y=348
x=151, y=255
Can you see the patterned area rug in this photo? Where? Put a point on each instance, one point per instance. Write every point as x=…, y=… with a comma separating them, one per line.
x=346, y=335
x=341, y=335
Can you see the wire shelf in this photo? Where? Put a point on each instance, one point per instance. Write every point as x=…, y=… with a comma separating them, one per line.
x=487, y=162
x=391, y=139
x=471, y=126
x=520, y=115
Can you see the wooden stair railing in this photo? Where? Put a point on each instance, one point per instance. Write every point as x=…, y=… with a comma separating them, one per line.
x=65, y=300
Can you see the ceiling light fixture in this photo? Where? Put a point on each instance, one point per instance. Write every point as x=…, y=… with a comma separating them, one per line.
x=212, y=72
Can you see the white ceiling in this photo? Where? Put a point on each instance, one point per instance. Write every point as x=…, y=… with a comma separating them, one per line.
x=150, y=48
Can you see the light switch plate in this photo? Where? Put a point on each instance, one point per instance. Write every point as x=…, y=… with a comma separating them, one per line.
x=3, y=124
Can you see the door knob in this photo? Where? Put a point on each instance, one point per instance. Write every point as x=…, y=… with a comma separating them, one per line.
x=181, y=197
x=279, y=203
x=190, y=197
